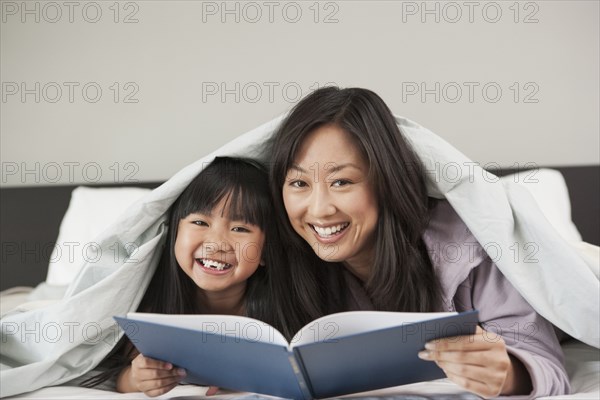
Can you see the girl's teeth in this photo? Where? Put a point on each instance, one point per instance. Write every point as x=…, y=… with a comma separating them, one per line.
x=215, y=264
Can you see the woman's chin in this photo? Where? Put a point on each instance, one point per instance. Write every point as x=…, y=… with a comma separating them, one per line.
x=329, y=253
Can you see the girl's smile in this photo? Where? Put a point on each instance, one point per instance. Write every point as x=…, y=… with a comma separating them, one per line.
x=209, y=266
x=217, y=253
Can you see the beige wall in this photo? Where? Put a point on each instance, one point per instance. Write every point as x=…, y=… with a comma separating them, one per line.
x=505, y=82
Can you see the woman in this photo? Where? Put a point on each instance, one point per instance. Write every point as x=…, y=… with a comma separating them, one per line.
x=348, y=185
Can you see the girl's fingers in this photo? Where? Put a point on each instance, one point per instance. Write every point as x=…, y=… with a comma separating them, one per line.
x=147, y=362
x=212, y=390
x=159, y=391
x=156, y=374
x=155, y=386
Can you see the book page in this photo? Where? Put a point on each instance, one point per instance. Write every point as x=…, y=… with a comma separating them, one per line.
x=338, y=325
x=234, y=326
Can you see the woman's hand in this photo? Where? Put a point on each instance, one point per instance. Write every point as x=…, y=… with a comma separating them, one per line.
x=479, y=363
x=150, y=376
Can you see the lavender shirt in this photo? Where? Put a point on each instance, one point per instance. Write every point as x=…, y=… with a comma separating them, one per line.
x=470, y=280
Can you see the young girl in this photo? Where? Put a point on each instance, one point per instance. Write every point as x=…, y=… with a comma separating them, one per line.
x=214, y=263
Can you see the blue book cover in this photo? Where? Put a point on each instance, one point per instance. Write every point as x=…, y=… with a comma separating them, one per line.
x=335, y=355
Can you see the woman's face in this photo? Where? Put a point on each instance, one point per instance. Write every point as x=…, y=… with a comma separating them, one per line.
x=330, y=201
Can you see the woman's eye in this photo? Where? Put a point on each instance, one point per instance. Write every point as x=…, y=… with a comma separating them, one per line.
x=298, y=184
x=340, y=182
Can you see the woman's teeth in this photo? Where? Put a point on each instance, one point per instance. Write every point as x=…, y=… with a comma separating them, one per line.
x=330, y=230
x=214, y=264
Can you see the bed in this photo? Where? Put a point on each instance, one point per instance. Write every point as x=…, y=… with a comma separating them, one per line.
x=37, y=220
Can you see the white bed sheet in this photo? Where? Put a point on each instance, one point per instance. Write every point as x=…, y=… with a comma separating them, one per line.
x=582, y=363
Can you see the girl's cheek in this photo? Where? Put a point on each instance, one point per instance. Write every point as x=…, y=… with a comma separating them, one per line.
x=251, y=252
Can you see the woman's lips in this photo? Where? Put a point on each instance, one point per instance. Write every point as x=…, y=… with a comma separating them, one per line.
x=331, y=233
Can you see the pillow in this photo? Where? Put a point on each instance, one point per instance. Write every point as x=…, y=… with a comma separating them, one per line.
x=548, y=188
x=91, y=210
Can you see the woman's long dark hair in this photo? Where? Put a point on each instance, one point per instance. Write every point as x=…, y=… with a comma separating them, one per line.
x=402, y=278
x=244, y=184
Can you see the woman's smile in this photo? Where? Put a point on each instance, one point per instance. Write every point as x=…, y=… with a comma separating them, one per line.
x=331, y=233
x=330, y=200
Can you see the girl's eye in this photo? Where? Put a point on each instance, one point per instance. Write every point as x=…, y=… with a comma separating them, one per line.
x=199, y=223
x=240, y=229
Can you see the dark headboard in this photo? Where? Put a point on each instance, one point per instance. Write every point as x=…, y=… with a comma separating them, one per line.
x=30, y=220
x=31, y=216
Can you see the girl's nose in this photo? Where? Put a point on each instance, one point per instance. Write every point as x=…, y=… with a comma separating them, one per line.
x=217, y=241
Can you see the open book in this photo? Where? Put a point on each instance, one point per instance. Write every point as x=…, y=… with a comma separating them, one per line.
x=338, y=354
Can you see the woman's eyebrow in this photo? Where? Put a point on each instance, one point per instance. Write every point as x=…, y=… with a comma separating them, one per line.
x=298, y=168
x=330, y=167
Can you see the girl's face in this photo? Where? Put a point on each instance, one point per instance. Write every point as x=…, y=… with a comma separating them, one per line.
x=330, y=201
x=217, y=253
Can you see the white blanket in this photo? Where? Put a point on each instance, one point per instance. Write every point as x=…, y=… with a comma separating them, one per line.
x=58, y=342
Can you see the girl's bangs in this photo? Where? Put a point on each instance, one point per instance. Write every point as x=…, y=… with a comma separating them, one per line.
x=241, y=187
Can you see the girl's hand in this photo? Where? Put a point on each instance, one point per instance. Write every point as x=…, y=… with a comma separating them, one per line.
x=150, y=376
x=479, y=363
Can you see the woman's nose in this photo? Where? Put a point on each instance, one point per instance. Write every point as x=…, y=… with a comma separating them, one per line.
x=320, y=203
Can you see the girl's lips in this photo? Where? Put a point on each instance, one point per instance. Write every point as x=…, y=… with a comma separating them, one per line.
x=201, y=268
x=331, y=239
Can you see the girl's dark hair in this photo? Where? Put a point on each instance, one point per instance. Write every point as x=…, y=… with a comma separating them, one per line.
x=403, y=277
x=243, y=183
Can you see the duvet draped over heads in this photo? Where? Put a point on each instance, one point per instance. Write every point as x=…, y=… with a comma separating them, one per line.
x=57, y=343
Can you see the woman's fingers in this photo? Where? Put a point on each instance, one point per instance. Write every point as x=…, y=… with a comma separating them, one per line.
x=474, y=386
x=484, y=379
x=480, y=340
x=477, y=365
x=483, y=374
x=473, y=361
x=490, y=358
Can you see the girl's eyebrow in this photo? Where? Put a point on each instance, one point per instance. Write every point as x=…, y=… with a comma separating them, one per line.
x=199, y=214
